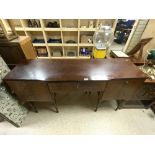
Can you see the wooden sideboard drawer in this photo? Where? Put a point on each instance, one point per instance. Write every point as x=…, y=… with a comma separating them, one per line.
x=62, y=86
x=30, y=90
x=91, y=86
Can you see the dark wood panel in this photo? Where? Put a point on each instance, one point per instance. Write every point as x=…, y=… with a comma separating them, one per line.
x=30, y=90
x=11, y=54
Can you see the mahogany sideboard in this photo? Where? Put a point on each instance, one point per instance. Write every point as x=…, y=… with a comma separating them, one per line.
x=42, y=79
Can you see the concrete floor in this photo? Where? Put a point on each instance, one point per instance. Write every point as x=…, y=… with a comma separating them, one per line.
x=115, y=46
x=77, y=117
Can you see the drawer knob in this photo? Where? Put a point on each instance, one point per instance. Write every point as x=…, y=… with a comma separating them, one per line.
x=126, y=82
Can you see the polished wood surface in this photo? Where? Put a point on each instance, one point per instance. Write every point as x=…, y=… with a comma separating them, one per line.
x=75, y=70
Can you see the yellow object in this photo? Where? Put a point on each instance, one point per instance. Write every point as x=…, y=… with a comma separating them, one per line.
x=99, y=53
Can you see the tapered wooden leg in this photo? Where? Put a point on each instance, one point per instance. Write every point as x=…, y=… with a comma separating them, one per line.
x=120, y=104
x=33, y=107
x=116, y=108
x=53, y=99
x=55, y=104
x=153, y=103
x=152, y=106
x=98, y=101
x=117, y=101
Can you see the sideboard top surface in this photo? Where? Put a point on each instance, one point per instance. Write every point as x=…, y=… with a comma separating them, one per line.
x=75, y=70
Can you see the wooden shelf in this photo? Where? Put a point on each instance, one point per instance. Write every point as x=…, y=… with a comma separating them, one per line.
x=43, y=57
x=33, y=29
x=19, y=28
x=68, y=29
x=54, y=44
x=52, y=29
x=65, y=57
x=39, y=44
x=84, y=44
x=70, y=44
x=87, y=29
x=84, y=57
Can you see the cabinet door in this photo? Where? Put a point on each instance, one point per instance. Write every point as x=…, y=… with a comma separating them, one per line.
x=112, y=90
x=122, y=89
x=30, y=90
x=146, y=92
x=11, y=54
x=129, y=88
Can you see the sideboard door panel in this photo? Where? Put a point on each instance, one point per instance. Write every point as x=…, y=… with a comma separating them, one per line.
x=146, y=92
x=112, y=90
x=30, y=90
x=122, y=89
x=129, y=88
